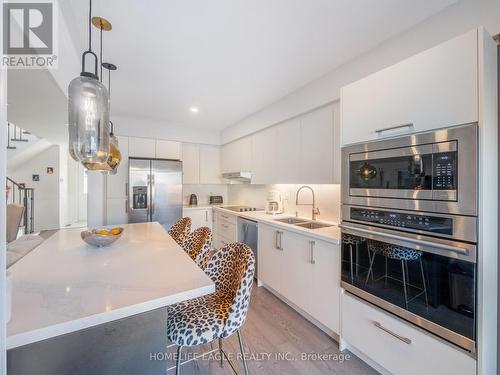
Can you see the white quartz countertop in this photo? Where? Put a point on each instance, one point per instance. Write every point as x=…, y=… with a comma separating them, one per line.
x=65, y=285
x=330, y=234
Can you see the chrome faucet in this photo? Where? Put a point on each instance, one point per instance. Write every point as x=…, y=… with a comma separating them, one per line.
x=315, y=210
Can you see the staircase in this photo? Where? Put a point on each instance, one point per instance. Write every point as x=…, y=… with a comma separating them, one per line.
x=17, y=193
x=15, y=134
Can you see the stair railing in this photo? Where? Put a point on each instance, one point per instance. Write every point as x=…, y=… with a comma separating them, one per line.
x=19, y=194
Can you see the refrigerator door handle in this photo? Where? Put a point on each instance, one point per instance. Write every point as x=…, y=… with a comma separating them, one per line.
x=152, y=186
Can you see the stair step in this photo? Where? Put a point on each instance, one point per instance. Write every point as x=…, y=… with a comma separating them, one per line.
x=18, y=140
x=11, y=147
x=26, y=132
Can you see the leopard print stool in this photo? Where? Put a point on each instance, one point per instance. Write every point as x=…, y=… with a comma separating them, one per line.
x=180, y=230
x=220, y=314
x=197, y=244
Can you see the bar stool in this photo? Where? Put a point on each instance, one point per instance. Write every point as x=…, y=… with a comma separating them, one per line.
x=403, y=254
x=180, y=230
x=198, y=244
x=351, y=240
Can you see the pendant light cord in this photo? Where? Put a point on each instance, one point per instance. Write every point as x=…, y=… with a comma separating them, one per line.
x=90, y=25
x=101, y=51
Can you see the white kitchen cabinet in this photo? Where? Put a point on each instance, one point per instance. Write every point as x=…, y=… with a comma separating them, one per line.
x=237, y=155
x=117, y=183
x=316, y=151
x=304, y=270
x=200, y=217
x=190, y=163
x=325, y=282
x=288, y=153
x=142, y=147
x=210, y=164
x=225, y=228
x=270, y=257
x=116, y=211
x=168, y=149
x=397, y=346
x=264, y=162
x=434, y=89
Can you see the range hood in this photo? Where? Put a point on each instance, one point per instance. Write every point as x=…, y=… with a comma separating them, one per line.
x=243, y=177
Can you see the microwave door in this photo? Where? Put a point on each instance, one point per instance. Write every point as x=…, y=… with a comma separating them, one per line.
x=166, y=191
x=139, y=190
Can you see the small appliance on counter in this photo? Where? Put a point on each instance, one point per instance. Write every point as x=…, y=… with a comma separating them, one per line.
x=193, y=200
x=215, y=199
x=274, y=204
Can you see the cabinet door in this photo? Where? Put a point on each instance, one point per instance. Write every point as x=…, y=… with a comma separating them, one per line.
x=116, y=211
x=197, y=217
x=117, y=183
x=265, y=168
x=210, y=165
x=237, y=155
x=168, y=150
x=325, y=290
x=190, y=163
x=434, y=89
x=288, y=156
x=298, y=270
x=270, y=258
x=316, y=153
x=142, y=147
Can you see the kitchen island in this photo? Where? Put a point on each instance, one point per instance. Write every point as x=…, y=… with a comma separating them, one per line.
x=91, y=307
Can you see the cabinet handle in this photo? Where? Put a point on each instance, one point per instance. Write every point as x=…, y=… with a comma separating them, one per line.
x=280, y=233
x=409, y=125
x=276, y=234
x=406, y=340
x=126, y=189
x=311, y=252
x=126, y=206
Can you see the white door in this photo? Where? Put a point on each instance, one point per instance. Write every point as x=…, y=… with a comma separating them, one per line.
x=325, y=290
x=270, y=257
x=117, y=184
x=316, y=153
x=117, y=211
x=434, y=89
x=190, y=163
x=210, y=164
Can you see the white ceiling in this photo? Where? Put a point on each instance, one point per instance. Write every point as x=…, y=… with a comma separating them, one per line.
x=231, y=58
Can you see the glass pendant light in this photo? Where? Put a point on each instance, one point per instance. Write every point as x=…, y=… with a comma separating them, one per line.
x=88, y=112
x=115, y=156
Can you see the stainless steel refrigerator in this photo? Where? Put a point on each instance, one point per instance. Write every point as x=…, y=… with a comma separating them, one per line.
x=155, y=191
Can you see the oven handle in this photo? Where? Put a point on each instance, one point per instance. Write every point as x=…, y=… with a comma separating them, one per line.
x=441, y=246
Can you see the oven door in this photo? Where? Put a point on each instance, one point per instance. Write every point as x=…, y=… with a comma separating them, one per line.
x=434, y=172
x=427, y=281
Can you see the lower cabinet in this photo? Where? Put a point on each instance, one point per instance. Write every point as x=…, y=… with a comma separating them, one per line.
x=397, y=346
x=200, y=217
x=304, y=270
x=224, y=231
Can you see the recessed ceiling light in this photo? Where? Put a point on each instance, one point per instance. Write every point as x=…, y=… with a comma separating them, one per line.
x=194, y=109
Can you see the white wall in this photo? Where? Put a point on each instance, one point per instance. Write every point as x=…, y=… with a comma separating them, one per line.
x=47, y=190
x=465, y=15
x=203, y=192
x=327, y=198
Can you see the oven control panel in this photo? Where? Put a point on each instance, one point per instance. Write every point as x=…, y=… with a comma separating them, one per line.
x=433, y=224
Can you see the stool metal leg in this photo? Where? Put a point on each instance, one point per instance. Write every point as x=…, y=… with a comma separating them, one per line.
x=404, y=282
x=385, y=275
x=242, y=352
x=423, y=281
x=370, y=270
x=357, y=259
x=178, y=365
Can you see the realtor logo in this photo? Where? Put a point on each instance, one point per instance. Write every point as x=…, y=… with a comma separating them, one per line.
x=28, y=35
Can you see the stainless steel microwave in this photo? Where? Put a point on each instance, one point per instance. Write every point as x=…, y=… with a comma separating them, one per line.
x=432, y=171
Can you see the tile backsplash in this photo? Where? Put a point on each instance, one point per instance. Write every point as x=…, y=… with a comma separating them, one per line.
x=327, y=198
x=203, y=192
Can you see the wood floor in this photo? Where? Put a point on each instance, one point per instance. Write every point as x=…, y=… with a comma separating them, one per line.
x=275, y=338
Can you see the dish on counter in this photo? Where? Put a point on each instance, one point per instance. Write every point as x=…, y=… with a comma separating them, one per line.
x=100, y=237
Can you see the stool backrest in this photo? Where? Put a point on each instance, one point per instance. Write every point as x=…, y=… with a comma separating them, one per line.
x=198, y=243
x=232, y=269
x=14, y=217
x=180, y=230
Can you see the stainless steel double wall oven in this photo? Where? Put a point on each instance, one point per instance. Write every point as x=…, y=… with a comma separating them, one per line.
x=409, y=228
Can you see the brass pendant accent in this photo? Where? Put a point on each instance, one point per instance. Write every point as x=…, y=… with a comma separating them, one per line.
x=101, y=23
x=115, y=157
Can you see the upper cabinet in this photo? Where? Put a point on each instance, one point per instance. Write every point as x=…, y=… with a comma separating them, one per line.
x=190, y=163
x=434, y=89
x=300, y=150
x=142, y=147
x=168, y=149
x=210, y=164
x=237, y=156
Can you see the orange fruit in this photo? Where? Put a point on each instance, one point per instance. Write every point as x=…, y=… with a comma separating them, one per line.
x=115, y=231
x=103, y=232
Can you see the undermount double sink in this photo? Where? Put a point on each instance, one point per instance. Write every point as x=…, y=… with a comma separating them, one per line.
x=308, y=224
